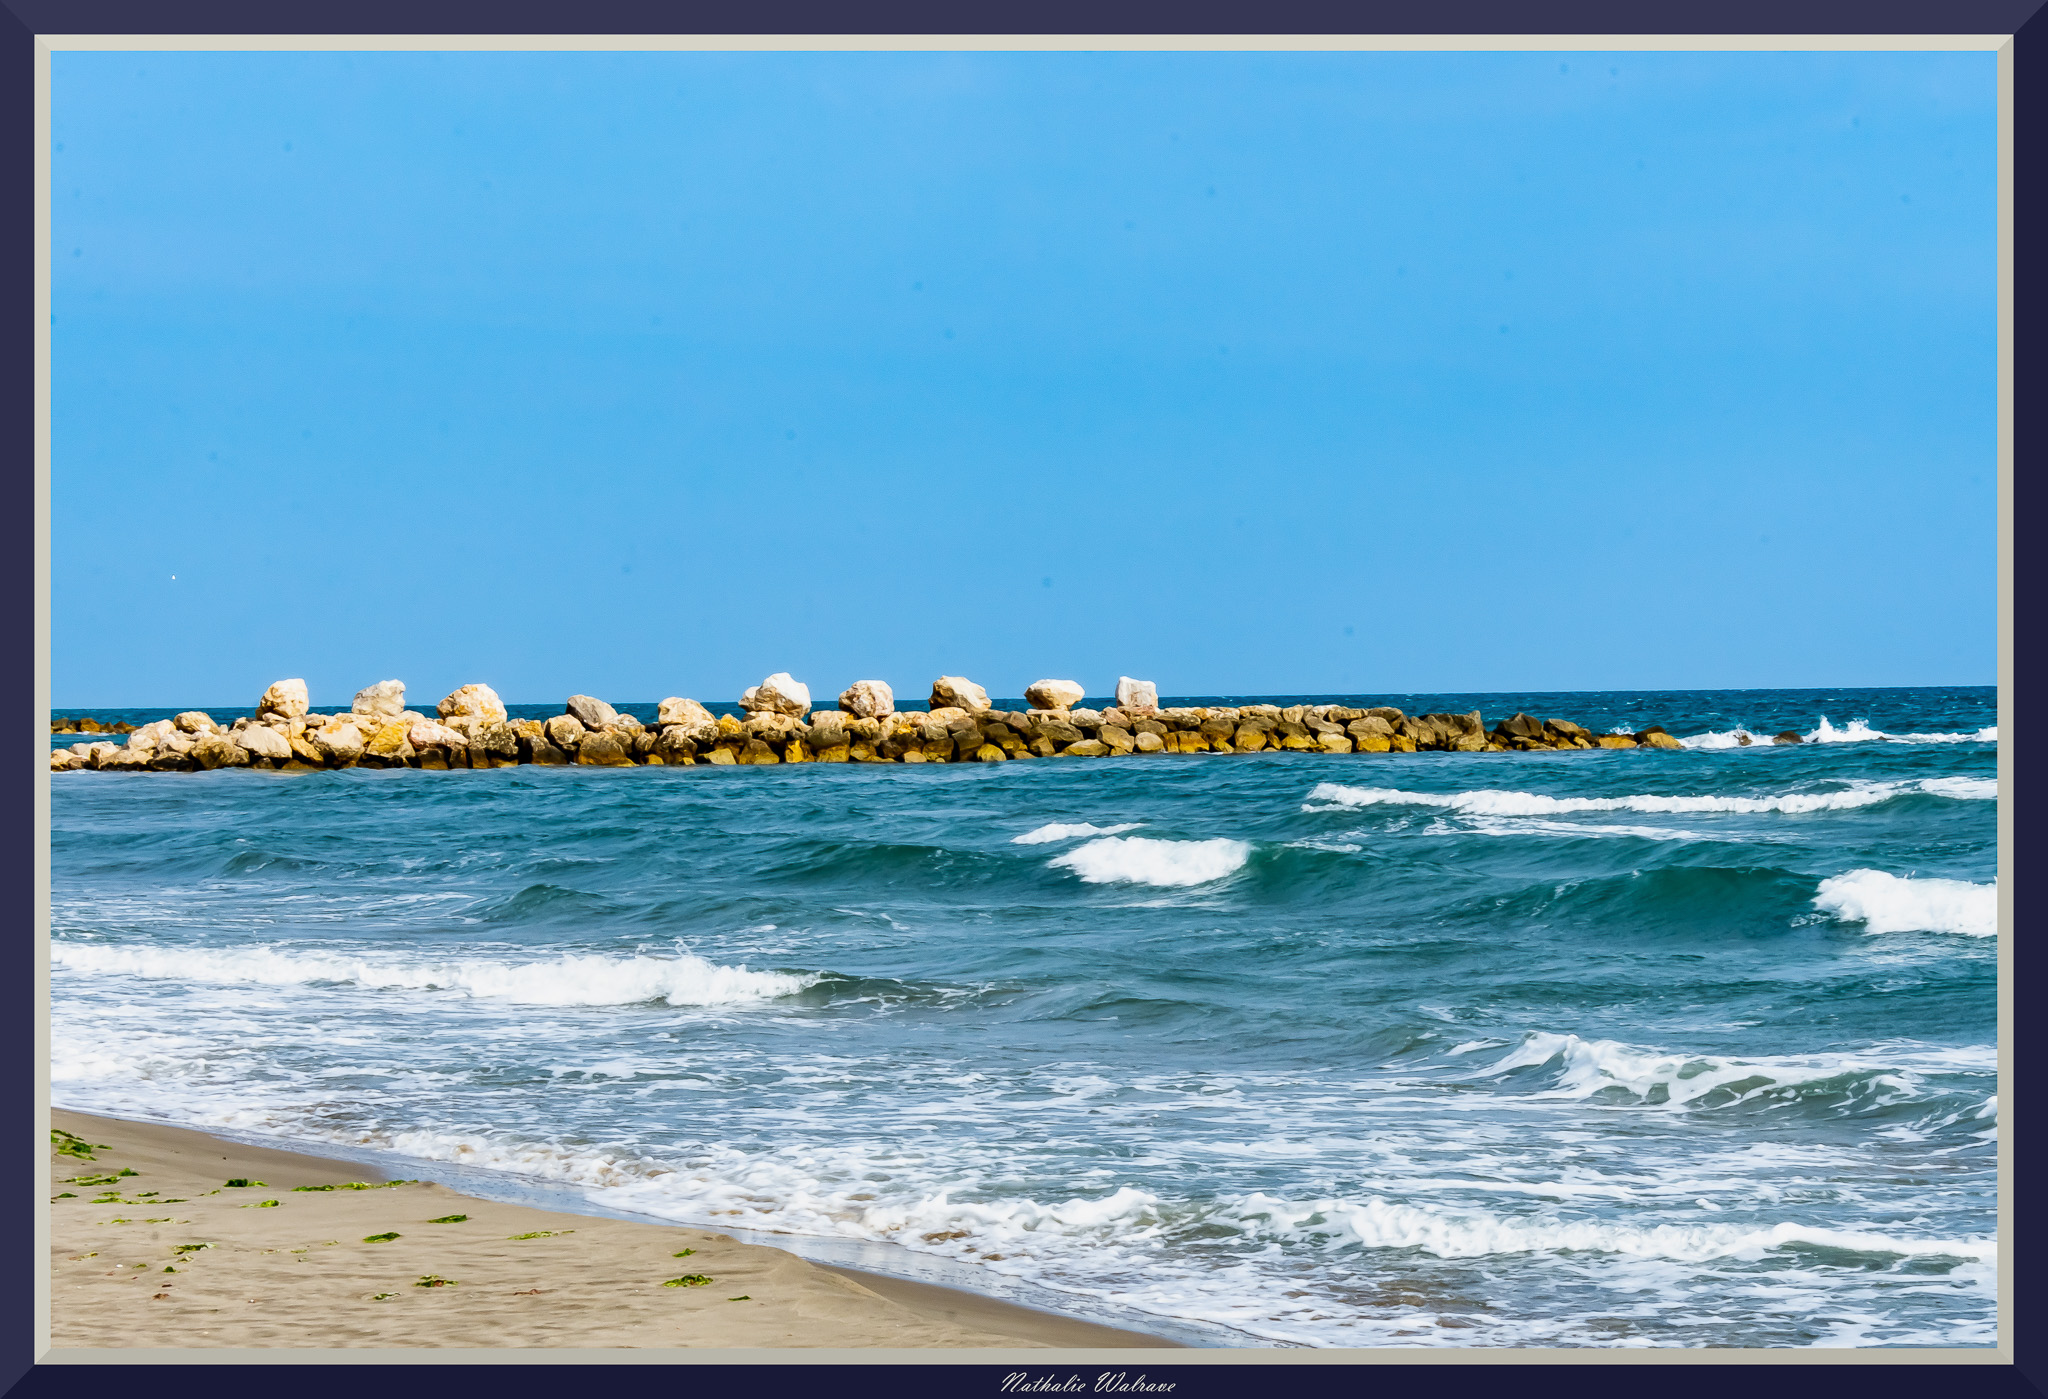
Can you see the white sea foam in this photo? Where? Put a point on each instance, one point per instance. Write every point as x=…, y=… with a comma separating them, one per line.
x=1492, y=802
x=1887, y=1073
x=1855, y=731
x=1885, y=903
x=1164, y=863
x=1378, y=1223
x=570, y=980
x=1047, y=835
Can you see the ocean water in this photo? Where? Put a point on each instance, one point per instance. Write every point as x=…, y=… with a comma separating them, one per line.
x=1589, y=1049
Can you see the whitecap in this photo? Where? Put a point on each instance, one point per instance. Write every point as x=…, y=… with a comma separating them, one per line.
x=1047, y=835
x=1164, y=863
x=570, y=980
x=1885, y=903
x=1494, y=802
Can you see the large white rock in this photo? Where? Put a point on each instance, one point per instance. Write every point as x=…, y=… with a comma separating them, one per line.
x=1136, y=696
x=958, y=692
x=385, y=699
x=194, y=721
x=1053, y=694
x=338, y=741
x=265, y=742
x=475, y=702
x=677, y=710
x=592, y=713
x=286, y=697
x=149, y=736
x=778, y=694
x=425, y=733
x=868, y=699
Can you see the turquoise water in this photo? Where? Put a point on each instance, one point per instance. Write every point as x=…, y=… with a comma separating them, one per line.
x=1588, y=1048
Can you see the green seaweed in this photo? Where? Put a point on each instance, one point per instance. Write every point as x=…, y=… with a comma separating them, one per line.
x=378, y=1297
x=169, y=1269
x=109, y=1179
x=188, y=1248
x=381, y=1238
x=65, y=1144
x=450, y=1219
x=259, y=1205
x=349, y=1185
x=687, y=1280
x=743, y=1297
x=541, y=1234
x=67, y=1195
x=436, y=1280
x=240, y=1182
x=684, y=1254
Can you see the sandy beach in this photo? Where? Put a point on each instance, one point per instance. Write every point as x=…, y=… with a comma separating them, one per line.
x=163, y=1236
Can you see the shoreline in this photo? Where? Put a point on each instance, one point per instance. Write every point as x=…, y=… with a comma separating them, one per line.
x=535, y=1276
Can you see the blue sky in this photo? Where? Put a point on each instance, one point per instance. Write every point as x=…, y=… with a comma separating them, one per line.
x=650, y=374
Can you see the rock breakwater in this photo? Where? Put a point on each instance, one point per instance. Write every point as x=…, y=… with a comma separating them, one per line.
x=471, y=728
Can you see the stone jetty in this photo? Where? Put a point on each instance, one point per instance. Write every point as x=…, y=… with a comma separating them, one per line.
x=471, y=729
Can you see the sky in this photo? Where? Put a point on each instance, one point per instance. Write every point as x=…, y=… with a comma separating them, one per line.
x=640, y=375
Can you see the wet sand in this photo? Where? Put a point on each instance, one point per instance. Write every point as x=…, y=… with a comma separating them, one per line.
x=174, y=1256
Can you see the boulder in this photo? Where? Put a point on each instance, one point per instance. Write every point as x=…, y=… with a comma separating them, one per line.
x=828, y=728
x=602, y=749
x=868, y=699
x=425, y=733
x=1148, y=742
x=1057, y=732
x=758, y=753
x=1520, y=726
x=474, y=702
x=388, y=743
x=677, y=710
x=1136, y=696
x=1565, y=729
x=194, y=721
x=64, y=760
x=496, y=743
x=565, y=731
x=1053, y=694
x=778, y=694
x=1117, y=738
x=958, y=692
x=287, y=698
x=675, y=746
x=338, y=742
x=265, y=742
x=385, y=699
x=1334, y=741
x=989, y=753
x=1392, y=716
x=219, y=751
x=1657, y=738
x=1789, y=736
x=1086, y=748
x=127, y=760
x=592, y=713
x=720, y=757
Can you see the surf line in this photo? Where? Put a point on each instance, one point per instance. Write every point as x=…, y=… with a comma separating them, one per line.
x=472, y=729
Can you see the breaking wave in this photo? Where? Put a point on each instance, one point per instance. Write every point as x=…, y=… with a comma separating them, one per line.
x=1491, y=802
x=1165, y=863
x=1885, y=903
x=1047, y=835
x=570, y=980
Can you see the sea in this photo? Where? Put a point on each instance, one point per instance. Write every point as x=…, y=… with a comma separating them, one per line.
x=1585, y=1049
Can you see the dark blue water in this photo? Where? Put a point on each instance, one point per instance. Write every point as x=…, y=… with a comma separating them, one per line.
x=1588, y=1048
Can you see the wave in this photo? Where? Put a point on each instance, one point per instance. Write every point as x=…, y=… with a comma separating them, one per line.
x=1844, y=1081
x=1856, y=731
x=569, y=980
x=1492, y=802
x=1377, y=1223
x=1163, y=863
x=1046, y=835
x=1885, y=903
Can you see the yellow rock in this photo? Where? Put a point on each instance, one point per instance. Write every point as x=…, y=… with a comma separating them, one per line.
x=1616, y=741
x=434, y=759
x=836, y=754
x=1401, y=743
x=1371, y=743
x=729, y=727
x=914, y=755
x=1298, y=743
x=1043, y=747
x=759, y=754
x=795, y=752
x=1660, y=740
x=1335, y=743
x=1252, y=740
x=1086, y=748
x=863, y=753
x=989, y=753
x=938, y=751
x=655, y=760
x=1149, y=743
x=720, y=757
x=306, y=752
